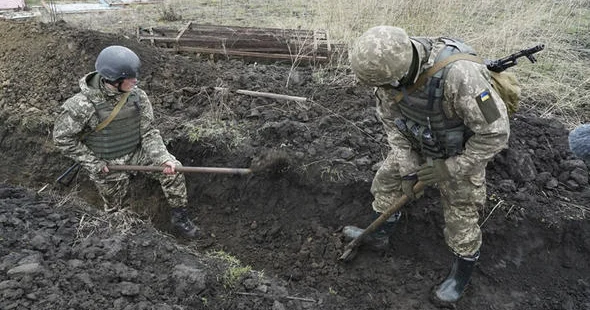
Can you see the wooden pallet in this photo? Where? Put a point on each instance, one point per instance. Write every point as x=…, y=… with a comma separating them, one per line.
x=270, y=43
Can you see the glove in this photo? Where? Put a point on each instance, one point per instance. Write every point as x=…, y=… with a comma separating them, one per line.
x=434, y=173
x=408, y=182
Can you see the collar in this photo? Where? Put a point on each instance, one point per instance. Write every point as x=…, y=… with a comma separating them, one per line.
x=108, y=91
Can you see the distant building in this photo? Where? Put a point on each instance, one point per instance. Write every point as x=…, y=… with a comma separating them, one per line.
x=12, y=4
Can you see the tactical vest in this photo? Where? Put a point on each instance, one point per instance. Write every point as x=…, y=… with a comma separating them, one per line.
x=121, y=136
x=425, y=123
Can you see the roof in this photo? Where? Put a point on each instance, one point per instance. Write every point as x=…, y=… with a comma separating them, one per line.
x=11, y=4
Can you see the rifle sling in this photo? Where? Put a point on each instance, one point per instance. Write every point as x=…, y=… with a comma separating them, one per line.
x=433, y=70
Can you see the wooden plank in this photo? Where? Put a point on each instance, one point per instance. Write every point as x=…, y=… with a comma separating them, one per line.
x=263, y=94
x=249, y=30
x=245, y=54
x=210, y=41
x=259, y=48
x=188, y=25
x=226, y=41
x=197, y=30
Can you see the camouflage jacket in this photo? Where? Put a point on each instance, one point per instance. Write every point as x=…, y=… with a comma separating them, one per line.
x=77, y=117
x=464, y=83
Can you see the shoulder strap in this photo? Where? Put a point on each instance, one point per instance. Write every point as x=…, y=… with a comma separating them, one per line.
x=433, y=70
x=112, y=116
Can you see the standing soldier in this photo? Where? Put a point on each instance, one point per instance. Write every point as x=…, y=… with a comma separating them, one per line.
x=110, y=122
x=442, y=133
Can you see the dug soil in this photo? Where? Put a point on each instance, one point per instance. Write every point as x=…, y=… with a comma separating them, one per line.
x=270, y=239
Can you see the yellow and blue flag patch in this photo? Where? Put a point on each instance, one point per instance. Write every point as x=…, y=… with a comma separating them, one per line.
x=484, y=96
x=487, y=105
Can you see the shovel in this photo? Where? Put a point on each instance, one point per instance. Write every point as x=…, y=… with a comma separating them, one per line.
x=221, y=170
x=274, y=161
x=349, y=250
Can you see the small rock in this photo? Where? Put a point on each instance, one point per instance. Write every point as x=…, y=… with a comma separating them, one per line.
x=580, y=176
x=363, y=161
x=345, y=153
x=573, y=164
x=543, y=177
x=31, y=268
x=262, y=288
x=8, y=284
x=75, y=263
x=552, y=183
x=129, y=288
x=571, y=184
x=507, y=185
x=250, y=283
x=40, y=242
x=277, y=305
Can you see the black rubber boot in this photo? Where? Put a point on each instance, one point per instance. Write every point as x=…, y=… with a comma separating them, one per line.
x=378, y=239
x=182, y=224
x=451, y=289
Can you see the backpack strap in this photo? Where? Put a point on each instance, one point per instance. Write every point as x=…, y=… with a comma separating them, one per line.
x=433, y=70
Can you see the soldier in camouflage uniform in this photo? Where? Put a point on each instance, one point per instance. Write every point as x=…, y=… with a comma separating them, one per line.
x=130, y=138
x=443, y=133
x=579, y=142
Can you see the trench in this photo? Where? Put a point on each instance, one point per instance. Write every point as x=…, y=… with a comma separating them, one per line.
x=288, y=226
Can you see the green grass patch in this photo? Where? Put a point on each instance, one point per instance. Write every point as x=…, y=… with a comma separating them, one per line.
x=235, y=272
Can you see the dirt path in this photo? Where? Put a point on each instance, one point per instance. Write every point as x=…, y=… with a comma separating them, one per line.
x=57, y=253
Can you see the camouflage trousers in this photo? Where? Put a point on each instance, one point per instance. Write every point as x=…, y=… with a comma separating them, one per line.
x=113, y=186
x=461, y=199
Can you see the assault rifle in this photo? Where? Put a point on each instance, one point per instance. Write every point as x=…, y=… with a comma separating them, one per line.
x=502, y=64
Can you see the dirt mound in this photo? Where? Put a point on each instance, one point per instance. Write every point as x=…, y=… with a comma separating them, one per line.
x=536, y=232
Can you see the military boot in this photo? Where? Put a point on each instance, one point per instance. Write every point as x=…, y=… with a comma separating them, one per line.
x=182, y=224
x=451, y=289
x=378, y=239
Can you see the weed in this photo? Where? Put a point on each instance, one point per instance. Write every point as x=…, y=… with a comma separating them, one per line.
x=331, y=174
x=235, y=271
x=207, y=130
x=54, y=14
x=331, y=291
x=168, y=14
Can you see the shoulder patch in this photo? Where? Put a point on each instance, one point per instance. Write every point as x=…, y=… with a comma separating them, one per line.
x=487, y=106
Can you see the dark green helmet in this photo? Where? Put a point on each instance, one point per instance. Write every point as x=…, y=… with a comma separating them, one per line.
x=117, y=62
x=382, y=55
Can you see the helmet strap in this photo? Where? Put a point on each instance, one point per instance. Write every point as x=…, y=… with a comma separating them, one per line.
x=116, y=83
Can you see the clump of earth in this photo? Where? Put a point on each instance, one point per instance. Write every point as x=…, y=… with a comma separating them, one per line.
x=271, y=239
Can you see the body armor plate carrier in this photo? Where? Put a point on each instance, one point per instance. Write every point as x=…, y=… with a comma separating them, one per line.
x=121, y=136
x=424, y=121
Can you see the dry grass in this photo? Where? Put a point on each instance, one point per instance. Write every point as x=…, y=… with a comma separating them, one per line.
x=558, y=85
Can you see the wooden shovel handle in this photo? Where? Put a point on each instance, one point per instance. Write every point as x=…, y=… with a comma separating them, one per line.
x=183, y=169
x=418, y=187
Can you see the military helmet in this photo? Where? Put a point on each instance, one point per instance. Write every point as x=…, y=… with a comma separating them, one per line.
x=117, y=62
x=579, y=141
x=382, y=55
